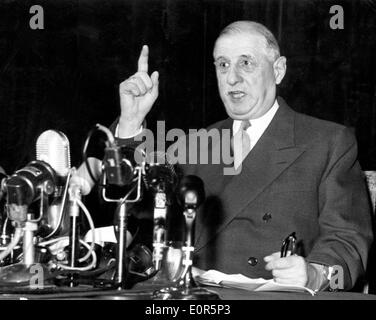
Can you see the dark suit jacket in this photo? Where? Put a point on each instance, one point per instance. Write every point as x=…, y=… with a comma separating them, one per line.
x=301, y=176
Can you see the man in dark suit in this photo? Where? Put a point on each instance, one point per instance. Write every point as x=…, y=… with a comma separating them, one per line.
x=295, y=173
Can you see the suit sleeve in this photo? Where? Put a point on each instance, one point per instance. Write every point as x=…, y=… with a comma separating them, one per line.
x=344, y=213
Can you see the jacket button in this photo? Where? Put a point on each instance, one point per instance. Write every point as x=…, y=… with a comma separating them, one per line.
x=267, y=217
x=252, y=261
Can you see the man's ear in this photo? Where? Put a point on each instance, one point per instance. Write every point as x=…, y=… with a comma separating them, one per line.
x=279, y=67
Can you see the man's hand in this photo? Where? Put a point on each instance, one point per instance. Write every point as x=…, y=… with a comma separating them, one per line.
x=137, y=95
x=289, y=270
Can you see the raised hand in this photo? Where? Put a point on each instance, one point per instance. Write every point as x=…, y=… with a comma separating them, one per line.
x=137, y=95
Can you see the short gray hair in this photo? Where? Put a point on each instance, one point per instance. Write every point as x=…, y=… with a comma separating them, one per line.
x=271, y=44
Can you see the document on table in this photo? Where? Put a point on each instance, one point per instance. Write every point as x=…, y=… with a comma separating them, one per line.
x=239, y=281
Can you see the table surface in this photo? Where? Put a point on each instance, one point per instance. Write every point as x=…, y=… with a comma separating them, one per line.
x=145, y=294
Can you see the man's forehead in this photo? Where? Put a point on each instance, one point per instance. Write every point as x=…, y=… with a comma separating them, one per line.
x=239, y=44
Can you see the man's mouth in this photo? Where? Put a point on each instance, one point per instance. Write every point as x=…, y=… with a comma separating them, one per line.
x=236, y=95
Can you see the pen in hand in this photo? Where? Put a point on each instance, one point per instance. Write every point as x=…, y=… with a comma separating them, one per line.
x=289, y=244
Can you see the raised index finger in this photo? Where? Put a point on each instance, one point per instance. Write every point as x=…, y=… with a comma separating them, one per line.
x=143, y=59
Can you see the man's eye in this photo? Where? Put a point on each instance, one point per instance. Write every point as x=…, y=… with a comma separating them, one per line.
x=247, y=64
x=222, y=65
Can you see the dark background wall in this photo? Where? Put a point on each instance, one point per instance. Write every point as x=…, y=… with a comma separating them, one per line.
x=66, y=76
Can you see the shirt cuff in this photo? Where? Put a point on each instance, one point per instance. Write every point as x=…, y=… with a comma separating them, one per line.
x=321, y=280
x=128, y=137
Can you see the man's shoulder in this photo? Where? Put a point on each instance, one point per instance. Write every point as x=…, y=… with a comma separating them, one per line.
x=309, y=122
x=314, y=123
x=310, y=129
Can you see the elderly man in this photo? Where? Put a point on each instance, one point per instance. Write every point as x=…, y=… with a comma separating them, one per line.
x=298, y=174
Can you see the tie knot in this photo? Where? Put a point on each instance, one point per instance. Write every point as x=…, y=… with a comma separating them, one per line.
x=245, y=124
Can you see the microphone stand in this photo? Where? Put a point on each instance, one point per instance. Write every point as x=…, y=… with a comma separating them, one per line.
x=74, y=233
x=186, y=288
x=159, y=232
x=159, y=271
x=22, y=273
x=121, y=274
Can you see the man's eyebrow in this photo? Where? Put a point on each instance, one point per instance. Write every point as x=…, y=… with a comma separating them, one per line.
x=250, y=56
x=220, y=57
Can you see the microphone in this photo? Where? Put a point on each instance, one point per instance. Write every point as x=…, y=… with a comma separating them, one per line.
x=191, y=192
x=119, y=165
x=26, y=185
x=160, y=175
x=161, y=179
x=34, y=182
x=52, y=147
x=39, y=179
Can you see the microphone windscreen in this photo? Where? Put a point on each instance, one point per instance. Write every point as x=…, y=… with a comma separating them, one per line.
x=53, y=147
x=191, y=191
x=160, y=173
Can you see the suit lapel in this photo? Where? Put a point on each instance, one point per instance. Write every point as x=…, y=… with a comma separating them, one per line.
x=273, y=153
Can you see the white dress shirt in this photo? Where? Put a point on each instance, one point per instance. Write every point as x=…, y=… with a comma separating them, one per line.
x=258, y=126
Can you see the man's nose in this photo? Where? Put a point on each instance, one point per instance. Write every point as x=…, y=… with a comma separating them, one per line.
x=233, y=76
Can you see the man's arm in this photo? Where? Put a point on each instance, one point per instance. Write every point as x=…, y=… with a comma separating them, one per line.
x=137, y=95
x=344, y=213
x=345, y=227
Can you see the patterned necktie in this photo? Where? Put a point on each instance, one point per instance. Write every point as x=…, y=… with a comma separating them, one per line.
x=241, y=144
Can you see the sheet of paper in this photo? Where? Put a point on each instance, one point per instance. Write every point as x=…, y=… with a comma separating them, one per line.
x=239, y=281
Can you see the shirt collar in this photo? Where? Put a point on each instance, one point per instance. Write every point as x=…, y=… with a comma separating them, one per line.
x=261, y=122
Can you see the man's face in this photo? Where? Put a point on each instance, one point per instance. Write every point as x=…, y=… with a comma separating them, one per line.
x=246, y=78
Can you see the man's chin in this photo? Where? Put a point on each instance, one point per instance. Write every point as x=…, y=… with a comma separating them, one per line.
x=238, y=114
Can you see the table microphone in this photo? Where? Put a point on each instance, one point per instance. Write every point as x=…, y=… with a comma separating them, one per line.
x=26, y=185
x=34, y=182
x=190, y=195
x=52, y=147
x=161, y=179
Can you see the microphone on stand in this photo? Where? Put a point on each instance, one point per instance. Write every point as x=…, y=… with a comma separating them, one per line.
x=120, y=169
x=34, y=182
x=27, y=185
x=52, y=147
x=190, y=195
x=161, y=179
x=47, y=176
x=119, y=164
